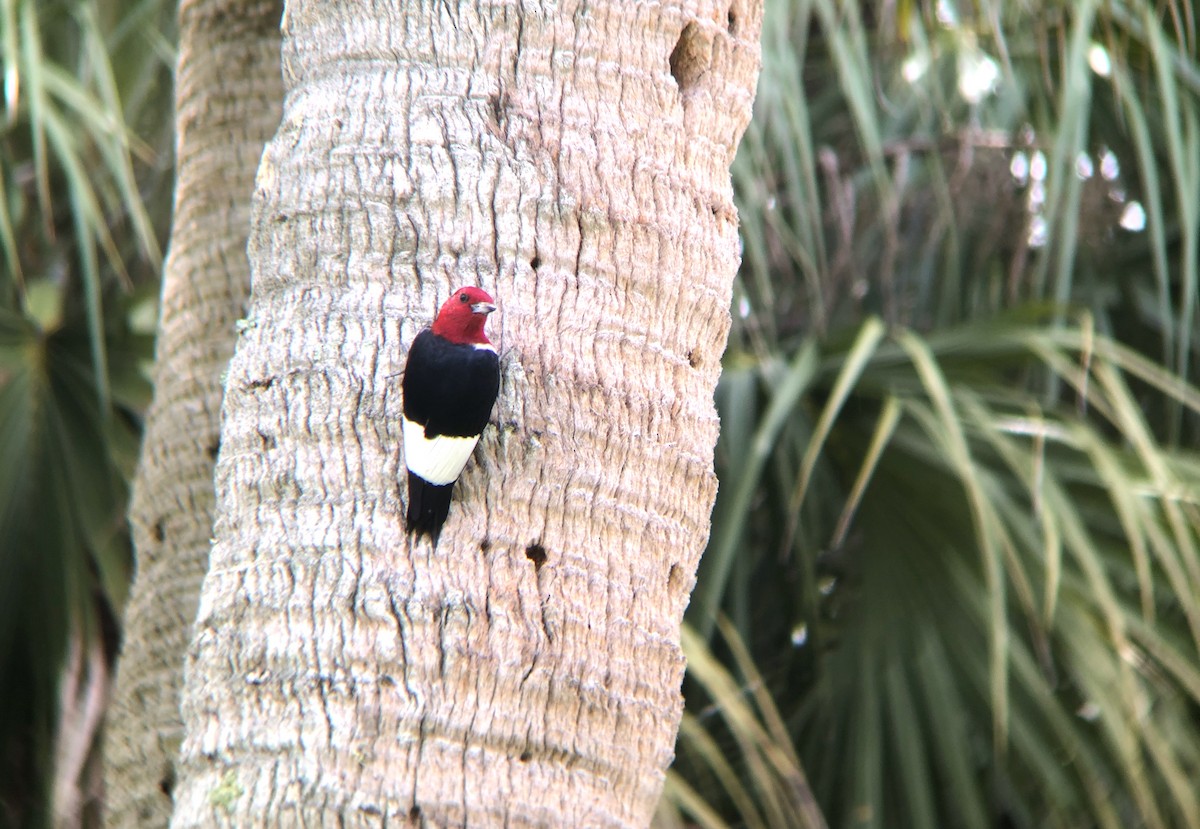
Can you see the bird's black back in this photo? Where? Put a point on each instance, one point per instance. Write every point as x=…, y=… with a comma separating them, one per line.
x=449, y=388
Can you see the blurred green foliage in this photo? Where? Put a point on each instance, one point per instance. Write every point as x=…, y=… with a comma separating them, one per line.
x=85, y=162
x=957, y=532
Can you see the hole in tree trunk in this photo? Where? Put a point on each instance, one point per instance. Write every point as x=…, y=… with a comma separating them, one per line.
x=675, y=582
x=537, y=554
x=166, y=783
x=690, y=57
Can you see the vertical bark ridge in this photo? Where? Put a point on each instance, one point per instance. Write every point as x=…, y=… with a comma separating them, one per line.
x=573, y=159
x=228, y=98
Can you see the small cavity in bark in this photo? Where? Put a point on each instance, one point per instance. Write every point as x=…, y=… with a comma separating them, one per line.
x=166, y=783
x=537, y=554
x=690, y=57
x=675, y=584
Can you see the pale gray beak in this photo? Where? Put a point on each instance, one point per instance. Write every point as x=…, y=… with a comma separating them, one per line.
x=482, y=308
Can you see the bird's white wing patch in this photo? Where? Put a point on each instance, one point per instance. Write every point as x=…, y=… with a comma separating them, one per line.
x=437, y=460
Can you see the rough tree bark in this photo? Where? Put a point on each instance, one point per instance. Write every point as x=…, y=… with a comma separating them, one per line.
x=229, y=95
x=573, y=159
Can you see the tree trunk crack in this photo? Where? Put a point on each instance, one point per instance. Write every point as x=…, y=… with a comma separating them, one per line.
x=398, y=615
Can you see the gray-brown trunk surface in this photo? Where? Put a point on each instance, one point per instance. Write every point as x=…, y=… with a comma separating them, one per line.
x=572, y=159
x=229, y=94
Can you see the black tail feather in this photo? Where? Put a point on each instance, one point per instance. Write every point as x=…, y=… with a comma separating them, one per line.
x=428, y=506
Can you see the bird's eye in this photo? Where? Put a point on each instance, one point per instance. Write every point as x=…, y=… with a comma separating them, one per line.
x=463, y=297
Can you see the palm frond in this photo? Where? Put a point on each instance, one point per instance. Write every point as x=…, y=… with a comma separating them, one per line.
x=966, y=556
x=86, y=203
x=767, y=788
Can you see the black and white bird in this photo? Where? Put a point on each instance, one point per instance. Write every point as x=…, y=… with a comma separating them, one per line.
x=450, y=384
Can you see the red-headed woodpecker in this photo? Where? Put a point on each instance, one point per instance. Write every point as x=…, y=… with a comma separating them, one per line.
x=450, y=384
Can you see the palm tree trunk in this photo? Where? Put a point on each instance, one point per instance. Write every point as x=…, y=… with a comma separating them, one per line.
x=228, y=99
x=573, y=160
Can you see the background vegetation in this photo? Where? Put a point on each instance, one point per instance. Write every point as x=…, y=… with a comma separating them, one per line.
x=86, y=168
x=956, y=540
x=954, y=573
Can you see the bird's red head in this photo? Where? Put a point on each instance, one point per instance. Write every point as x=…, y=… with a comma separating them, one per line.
x=462, y=317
